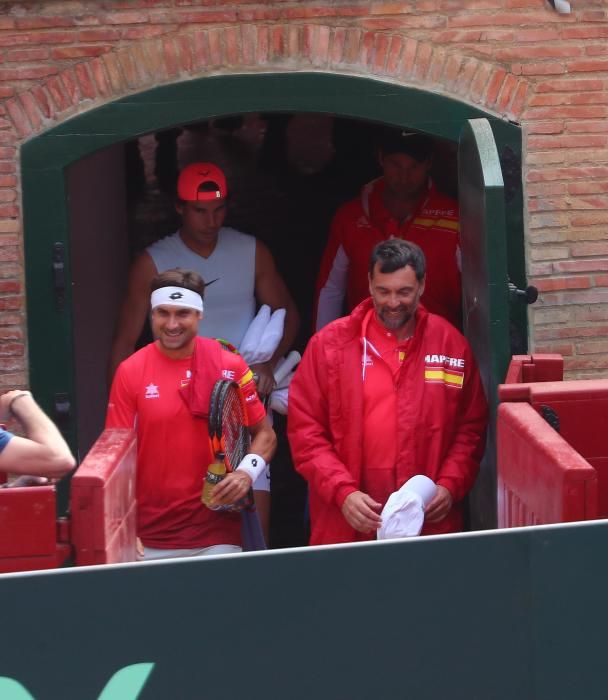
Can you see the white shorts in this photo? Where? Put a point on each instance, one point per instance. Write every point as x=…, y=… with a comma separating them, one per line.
x=152, y=553
x=262, y=483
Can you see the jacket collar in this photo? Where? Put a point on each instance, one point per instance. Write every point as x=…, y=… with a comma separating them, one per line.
x=374, y=210
x=351, y=327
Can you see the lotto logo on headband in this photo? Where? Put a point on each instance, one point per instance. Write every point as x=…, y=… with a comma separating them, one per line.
x=176, y=296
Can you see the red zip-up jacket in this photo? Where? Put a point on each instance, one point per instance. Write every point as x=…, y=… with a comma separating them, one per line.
x=442, y=416
x=364, y=221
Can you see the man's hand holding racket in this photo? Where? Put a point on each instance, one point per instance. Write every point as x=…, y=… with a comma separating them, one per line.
x=264, y=378
x=229, y=438
x=362, y=512
x=233, y=487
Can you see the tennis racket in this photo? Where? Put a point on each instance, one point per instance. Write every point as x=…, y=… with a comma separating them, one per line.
x=227, y=423
x=229, y=438
x=228, y=433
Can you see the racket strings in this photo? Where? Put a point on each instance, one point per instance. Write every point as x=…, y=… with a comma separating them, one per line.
x=215, y=419
x=235, y=435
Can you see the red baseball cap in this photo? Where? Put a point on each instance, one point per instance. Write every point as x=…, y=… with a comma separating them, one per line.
x=194, y=176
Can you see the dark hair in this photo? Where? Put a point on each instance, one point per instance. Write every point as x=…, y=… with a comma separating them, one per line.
x=418, y=146
x=394, y=254
x=177, y=277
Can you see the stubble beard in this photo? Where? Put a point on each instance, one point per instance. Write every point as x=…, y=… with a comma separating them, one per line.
x=394, y=323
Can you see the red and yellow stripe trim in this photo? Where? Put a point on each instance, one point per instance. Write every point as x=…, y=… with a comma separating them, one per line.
x=439, y=223
x=246, y=378
x=444, y=376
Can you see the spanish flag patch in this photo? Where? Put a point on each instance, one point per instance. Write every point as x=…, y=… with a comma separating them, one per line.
x=440, y=375
x=246, y=378
x=437, y=223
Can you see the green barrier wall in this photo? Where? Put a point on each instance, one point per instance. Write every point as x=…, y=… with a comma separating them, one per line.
x=511, y=615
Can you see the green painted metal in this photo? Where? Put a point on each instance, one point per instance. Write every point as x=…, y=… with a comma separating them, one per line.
x=50, y=345
x=509, y=150
x=502, y=615
x=44, y=159
x=484, y=255
x=203, y=98
x=484, y=286
x=45, y=222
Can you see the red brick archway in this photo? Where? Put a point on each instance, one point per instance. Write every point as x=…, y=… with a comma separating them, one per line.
x=261, y=48
x=186, y=54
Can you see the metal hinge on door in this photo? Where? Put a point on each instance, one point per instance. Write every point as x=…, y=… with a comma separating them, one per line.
x=59, y=273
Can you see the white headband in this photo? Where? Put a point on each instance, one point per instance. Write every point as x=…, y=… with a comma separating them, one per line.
x=176, y=296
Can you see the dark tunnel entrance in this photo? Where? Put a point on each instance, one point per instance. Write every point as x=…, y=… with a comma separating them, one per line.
x=288, y=173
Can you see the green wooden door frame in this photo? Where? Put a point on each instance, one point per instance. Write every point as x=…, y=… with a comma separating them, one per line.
x=484, y=288
x=45, y=158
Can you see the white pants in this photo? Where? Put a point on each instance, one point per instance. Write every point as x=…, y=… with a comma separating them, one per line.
x=151, y=553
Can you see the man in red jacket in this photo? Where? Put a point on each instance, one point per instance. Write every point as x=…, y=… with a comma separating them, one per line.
x=385, y=393
x=403, y=203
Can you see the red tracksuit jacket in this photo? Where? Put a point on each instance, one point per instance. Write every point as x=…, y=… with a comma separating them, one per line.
x=362, y=223
x=442, y=415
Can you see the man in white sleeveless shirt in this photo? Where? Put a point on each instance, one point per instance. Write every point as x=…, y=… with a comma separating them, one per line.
x=239, y=271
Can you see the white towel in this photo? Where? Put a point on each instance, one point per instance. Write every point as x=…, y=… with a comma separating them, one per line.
x=278, y=401
x=251, y=339
x=284, y=366
x=277, y=367
x=285, y=381
x=271, y=336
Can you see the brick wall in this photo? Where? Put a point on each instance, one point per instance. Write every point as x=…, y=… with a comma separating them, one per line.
x=516, y=58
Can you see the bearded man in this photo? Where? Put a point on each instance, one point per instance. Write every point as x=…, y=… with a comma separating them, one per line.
x=381, y=395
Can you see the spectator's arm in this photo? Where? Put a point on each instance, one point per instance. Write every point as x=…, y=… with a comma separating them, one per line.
x=43, y=452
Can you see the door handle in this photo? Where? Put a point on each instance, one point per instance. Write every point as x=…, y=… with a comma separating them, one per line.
x=529, y=295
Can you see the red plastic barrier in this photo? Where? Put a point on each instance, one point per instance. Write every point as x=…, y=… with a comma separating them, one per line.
x=580, y=410
x=541, y=478
x=28, y=530
x=524, y=369
x=102, y=501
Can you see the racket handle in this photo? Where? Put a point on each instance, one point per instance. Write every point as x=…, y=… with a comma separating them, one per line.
x=216, y=471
